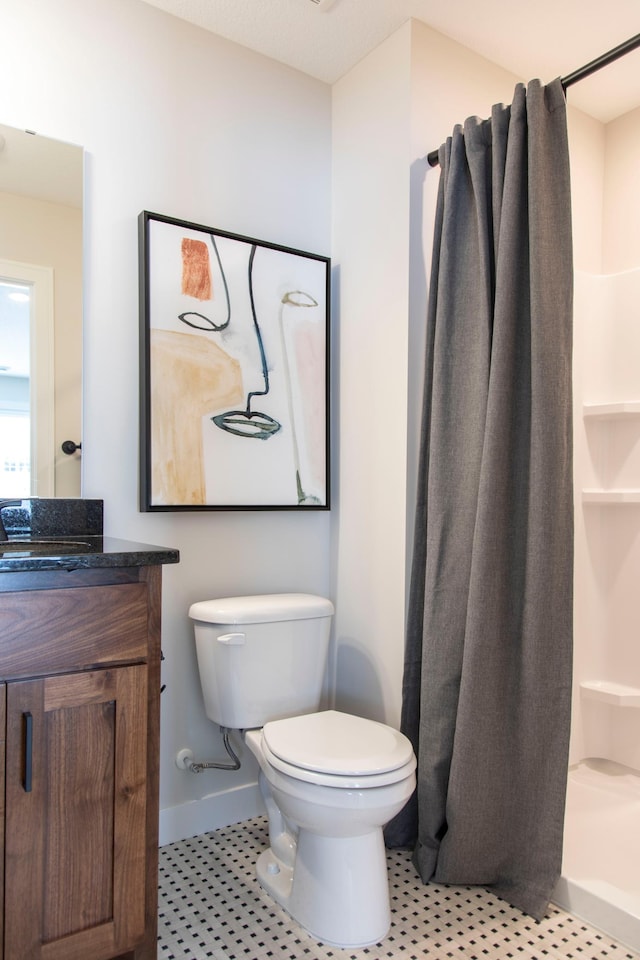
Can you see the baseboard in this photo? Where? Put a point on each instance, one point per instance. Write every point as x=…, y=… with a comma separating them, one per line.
x=210, y=813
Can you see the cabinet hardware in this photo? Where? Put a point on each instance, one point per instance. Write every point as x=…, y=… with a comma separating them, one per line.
x=28, y=751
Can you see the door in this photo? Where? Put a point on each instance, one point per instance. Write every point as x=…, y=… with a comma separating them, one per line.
x=27, y=380
x=75, y=815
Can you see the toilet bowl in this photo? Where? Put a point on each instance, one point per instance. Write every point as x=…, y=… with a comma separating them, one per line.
x=332, y=780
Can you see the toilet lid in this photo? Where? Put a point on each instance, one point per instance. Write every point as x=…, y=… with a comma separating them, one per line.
x=337, y=743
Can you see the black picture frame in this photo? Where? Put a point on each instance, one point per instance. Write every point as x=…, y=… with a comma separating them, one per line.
x=234, y=371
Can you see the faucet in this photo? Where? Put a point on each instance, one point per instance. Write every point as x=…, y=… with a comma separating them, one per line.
x=3, y=504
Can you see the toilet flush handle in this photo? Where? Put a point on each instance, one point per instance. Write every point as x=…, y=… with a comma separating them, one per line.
x=232, y=639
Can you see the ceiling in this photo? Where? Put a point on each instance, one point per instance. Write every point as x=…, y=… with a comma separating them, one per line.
x=544, y=39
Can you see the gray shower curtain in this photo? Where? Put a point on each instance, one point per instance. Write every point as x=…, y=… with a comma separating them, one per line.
x=487, y=682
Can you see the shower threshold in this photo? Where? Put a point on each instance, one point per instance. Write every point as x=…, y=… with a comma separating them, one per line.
x=600, y=880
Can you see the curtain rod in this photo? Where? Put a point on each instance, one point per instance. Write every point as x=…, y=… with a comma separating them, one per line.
x=603, y=61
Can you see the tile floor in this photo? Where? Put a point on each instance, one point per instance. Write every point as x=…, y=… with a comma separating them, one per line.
x=211, y=906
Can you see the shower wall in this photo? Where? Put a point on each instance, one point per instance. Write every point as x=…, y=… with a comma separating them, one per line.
x=606, y=720
x=602, y=823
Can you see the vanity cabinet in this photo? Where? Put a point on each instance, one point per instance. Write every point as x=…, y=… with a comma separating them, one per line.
x=79, y=742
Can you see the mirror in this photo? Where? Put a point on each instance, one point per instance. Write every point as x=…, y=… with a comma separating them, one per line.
x=41, y=192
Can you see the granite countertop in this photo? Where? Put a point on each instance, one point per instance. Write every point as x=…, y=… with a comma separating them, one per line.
x=66, y=534
x=81, y=553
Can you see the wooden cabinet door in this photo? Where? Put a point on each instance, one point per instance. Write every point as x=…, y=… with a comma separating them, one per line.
x=75, y=815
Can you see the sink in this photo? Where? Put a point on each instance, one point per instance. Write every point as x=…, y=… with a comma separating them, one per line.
x=42, y=548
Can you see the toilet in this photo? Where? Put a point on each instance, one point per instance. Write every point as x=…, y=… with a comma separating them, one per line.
x=330, y=780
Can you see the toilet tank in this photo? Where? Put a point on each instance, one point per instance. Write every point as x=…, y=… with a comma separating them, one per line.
x=261, y=658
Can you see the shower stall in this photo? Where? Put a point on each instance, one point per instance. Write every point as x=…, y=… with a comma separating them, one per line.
x=601, y=873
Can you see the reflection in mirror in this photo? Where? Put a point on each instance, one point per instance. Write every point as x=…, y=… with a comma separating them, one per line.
x=41, y=189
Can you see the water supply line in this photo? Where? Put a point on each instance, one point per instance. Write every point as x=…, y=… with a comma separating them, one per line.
x=185, y=761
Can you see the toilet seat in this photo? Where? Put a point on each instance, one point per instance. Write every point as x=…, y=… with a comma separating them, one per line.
x=338, y=749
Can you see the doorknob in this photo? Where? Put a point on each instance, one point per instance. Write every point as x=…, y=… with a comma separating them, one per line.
x=70, y=447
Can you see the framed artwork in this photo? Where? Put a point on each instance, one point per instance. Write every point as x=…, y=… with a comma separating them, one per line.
x=234, y=346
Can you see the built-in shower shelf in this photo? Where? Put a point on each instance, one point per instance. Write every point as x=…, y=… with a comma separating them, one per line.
x=611, y=496
x=608, y=692
x=611, y=411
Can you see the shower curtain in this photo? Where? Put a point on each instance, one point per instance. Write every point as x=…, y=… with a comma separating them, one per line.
x=487, y=677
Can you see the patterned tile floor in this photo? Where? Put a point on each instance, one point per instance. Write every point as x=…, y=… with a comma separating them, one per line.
x=211, y=906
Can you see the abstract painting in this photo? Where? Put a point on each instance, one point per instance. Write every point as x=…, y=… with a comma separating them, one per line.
x=234, y=399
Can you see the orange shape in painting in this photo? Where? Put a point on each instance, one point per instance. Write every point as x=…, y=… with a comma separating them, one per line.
x=196, y=270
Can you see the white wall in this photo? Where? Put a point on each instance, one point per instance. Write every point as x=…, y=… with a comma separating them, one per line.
x=180, y=122
x=621, y=227
x=371, y=158
x=587, y=157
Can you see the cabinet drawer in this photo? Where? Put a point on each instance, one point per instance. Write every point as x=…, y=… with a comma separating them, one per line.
x=54, y=631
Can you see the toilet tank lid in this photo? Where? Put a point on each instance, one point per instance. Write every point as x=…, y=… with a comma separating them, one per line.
x=262, y=609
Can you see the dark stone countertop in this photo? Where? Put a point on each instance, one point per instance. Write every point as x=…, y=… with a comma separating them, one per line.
x=79, y=552
x=38, y=534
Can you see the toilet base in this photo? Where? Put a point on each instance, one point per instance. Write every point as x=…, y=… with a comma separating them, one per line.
x=338, y=889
